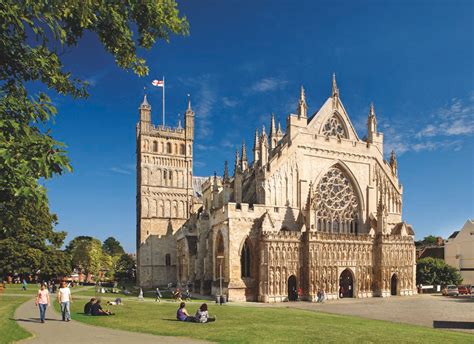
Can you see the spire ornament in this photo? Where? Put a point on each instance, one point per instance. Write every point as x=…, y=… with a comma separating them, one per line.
x=302, y=107
x=226, y=172
x=393, y=163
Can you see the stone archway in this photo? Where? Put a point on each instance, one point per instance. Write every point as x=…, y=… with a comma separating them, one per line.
x=346, y=284
x=394, y=285
x=292, y=288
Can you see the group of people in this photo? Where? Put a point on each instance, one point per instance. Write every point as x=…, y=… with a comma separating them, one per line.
x=43, y=300
x=94, y=307
x=201, y=316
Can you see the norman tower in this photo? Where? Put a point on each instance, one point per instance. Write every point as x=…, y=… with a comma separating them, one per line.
x=164, y=192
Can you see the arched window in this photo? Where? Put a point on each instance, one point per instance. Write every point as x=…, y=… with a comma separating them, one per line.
x=336, y=203
x=220, y=255
x=334, y=127
x=183, y=149
x=165, y=176
x=155, y=146
x=245, y=261
x=168, y=259
x=168, y=148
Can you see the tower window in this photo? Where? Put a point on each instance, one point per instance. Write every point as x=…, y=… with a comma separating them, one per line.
x=167, y=259
x=168, y=148
x=155, y=146
x=183, y=149
x=164, y=175
x=245, y=261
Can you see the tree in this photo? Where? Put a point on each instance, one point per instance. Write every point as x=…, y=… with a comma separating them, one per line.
x=112, y=247
x=87, y=255
x=126, y=268
x=27, y=237
x=429, y=240
x=33, y=35
x=435, y=271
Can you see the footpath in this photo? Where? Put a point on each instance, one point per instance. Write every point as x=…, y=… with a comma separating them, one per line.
x=54, y=330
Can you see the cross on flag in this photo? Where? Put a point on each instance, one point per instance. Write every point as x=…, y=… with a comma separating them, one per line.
x=158, y=83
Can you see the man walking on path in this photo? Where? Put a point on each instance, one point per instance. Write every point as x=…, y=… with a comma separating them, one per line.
x=65, y=299
x=42, y=301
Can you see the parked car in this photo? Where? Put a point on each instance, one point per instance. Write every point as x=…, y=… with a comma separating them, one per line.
x=451, y=290
x=464, y=289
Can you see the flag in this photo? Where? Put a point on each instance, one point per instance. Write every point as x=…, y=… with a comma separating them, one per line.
x=158, y=83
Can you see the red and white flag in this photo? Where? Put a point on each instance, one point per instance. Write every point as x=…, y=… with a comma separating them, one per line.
x=158, y=83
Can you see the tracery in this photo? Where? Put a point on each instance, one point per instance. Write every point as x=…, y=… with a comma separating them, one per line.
x=336, y=203
x=334, y=127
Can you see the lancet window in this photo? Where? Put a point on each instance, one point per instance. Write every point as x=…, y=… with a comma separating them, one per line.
x=336, y=203
x=245, y=261
x=334, y=127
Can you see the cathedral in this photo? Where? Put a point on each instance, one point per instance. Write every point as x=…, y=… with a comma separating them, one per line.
x=312, y=207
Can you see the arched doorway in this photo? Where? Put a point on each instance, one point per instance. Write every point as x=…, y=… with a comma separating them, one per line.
x=394, y=285
x=346, y=284
x=292, y=289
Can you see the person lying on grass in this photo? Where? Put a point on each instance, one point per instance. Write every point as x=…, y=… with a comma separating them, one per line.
x=97, y=309
x=117, y=302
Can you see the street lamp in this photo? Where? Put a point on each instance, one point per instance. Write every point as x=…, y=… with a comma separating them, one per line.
x=220, y=277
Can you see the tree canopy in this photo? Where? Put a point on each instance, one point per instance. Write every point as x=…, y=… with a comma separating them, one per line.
x=33, y=36
x=433, y=271
x=112, y=247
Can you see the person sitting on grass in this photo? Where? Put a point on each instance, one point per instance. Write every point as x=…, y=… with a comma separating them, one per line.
x=182, y=314
x=97, y=309
x=88, y=306
x=202, y=315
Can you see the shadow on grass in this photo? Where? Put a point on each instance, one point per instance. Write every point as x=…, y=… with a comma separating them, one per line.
x=33, y=320
x=465, y=325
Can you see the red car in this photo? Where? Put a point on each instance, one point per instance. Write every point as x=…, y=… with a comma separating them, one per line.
x=464, y=290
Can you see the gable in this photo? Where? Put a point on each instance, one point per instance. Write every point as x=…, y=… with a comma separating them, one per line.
x=332, y=120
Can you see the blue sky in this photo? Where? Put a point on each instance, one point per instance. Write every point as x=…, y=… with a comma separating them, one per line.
x=246, y=59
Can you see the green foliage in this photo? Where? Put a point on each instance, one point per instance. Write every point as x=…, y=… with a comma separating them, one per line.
x=125, y=269
x=112, y=247
x=33, y=35
x=87, y=255
x=432, y=271
x=429, y=240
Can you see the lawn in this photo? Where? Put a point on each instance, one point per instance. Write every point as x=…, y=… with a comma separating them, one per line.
x=10, y=331
x=250, y=324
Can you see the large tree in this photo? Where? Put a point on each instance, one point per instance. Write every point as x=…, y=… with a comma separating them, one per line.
x=33, y=35
x=87, y=255
x=433, y=271
x=125, y=269
x=112, y=247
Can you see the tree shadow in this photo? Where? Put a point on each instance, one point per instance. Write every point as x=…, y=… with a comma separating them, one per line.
x=466, y=325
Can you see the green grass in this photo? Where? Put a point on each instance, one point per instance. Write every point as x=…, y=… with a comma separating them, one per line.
x=10, y=331
x=31, y=289
x=247, y=324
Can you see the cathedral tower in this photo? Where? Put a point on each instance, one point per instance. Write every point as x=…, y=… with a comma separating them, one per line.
x=164, y=192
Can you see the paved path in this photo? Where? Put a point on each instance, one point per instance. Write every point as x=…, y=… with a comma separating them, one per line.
x=54, y=330
x=418, y=309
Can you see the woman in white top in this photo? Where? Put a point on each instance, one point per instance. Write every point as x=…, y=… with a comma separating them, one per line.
x=42, y=301
x=65, y=299
x=202, y=315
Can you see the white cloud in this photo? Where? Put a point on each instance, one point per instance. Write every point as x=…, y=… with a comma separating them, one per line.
x=229, y=102
x=267, y=84
x=127, y=170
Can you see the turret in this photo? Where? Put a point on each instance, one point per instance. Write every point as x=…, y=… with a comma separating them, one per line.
x=393, y=163
x=263, y=148
x=244, y=162
x=371, y=124
x=273, y=134
x=189, y=121
x=381, y=216
x=302, y=111
x=145, y=115
x=279, y=132
x=226, y=183
x=335, y=92
x=237, y=179
x=215, y=192
x=256, y=148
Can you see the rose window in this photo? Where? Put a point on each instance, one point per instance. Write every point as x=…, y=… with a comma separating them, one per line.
x=334, y=128
x=336, y=204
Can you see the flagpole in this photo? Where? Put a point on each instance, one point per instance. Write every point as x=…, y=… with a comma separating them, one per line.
x=163, y=102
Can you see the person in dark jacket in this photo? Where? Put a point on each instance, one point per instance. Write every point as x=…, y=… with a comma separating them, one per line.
x=88, y=306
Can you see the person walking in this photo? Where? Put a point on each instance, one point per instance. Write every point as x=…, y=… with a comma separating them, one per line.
x=42, y=301
x=24, y=284
x=65, y=300
x=158, y=295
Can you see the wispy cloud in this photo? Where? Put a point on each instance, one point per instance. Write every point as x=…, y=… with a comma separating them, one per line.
x=454, y=119
x=126, y=170
x=268, y=84
x=445, y=131
x=205, y=101
x=229, y=102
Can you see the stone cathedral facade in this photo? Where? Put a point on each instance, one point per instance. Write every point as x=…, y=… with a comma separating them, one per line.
x=316, y=208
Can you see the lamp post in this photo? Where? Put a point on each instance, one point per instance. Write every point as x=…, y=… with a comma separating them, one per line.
x=220, y=278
